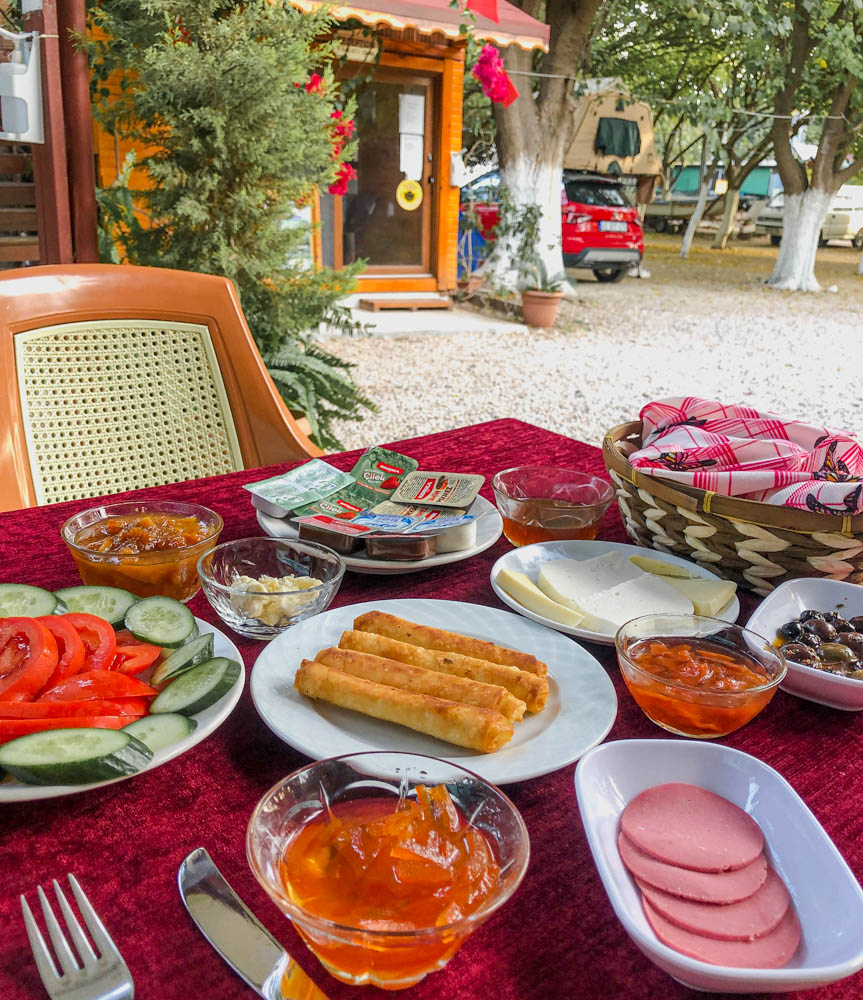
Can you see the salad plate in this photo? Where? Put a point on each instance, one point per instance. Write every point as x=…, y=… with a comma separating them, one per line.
x=489, y=527
x=581, y=709
x=207, y=722
x=529, y=558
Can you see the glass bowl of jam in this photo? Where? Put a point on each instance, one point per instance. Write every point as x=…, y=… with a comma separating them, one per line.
x=695, y=676
x=148, y=548
x=385, y=863
x=541, y=503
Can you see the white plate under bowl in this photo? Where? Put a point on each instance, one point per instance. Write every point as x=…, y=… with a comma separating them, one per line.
x=581, y=706
x=208, y=720
x=529, y=558
x=786, y=603
x=827, y=897
x=488, y=530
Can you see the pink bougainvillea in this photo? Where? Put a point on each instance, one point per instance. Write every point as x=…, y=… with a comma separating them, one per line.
x=315, y=84
x=344, y=175
x=496, y=84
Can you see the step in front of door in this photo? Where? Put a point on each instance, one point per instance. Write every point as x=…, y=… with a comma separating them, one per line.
x=376, y=305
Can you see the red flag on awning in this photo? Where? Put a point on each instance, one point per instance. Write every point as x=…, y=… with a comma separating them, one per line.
x=485, y=8
x=511, y=92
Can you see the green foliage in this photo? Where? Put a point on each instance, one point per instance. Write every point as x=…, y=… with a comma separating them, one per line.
x=232, y=140
x=518, y=229
x=534, y=277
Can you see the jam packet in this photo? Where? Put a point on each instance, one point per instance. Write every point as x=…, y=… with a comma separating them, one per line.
x=439, y=489
x=381, y=470
x=279, y=495
x=345, y=503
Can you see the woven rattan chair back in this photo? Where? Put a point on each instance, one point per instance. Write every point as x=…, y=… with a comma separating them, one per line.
x=119, y=377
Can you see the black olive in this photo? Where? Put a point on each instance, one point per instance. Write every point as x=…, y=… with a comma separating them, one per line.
x=824, y=630
x=853, y=640
x=856, y=623
x=837, y=621
x=799, y=653
x=806, y=616
x=791, y=630
x=810, y=639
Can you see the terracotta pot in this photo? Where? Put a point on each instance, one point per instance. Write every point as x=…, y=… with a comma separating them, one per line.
x=470, y=284
x=540, y=308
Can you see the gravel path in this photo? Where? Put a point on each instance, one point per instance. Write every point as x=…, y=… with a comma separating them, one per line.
x=704, y=327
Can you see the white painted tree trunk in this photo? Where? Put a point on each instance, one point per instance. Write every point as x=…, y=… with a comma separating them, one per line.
x=729, y=215
x=530, y=182
x=695, y=218
x=802, y=218
x=860, y=263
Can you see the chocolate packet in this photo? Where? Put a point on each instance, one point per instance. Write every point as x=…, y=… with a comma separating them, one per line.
x=279, y=495
x=382, y=471
x=439, y=489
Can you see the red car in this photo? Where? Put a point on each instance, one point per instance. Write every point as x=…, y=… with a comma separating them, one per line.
x=601, y=230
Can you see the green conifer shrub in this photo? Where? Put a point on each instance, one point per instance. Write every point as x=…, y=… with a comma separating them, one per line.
x=232, y=107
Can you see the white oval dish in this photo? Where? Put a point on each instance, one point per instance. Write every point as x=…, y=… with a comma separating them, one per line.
x=528, y=559
x=817, y=594
x=488, y=530
x=825, y=893
x=581, y=709
x=208, y=720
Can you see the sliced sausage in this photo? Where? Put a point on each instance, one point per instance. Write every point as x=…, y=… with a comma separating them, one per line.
x=693, y=828
x=705, y=887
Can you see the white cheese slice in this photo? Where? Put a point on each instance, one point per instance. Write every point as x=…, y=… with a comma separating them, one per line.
x=525, y=591
x=568, y=580
x=645, y=595
x=660, y=567
x=708, y=597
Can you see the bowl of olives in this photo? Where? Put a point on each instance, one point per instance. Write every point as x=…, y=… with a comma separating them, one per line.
x=818, y=625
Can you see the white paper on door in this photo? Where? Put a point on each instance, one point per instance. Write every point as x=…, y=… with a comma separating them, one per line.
x=411, y=150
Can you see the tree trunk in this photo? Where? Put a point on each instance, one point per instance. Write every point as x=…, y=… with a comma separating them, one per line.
x=802, y=218
x=860, y=263
x=700, y=204
x=729, y=214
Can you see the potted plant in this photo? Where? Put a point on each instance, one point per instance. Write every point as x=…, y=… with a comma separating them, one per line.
x=540, y=294
x=472, y=248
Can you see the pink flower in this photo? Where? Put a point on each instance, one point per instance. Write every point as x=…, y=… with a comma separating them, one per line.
x=315, y=84
x=344, y=175
x=496, y=84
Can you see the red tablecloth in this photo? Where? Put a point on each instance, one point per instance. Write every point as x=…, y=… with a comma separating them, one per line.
x=557, y=937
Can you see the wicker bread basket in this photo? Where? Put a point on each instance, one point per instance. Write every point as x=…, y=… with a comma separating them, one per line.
x=758, y=545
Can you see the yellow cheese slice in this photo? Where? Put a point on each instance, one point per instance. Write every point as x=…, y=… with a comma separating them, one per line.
x=525, y=591
x=708, y=597
x=660, y=567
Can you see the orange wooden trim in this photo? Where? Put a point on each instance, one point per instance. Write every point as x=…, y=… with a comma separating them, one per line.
x=455, y=50
x=405, y=62
x=449, y=141
x=381, y=284
x=317, y=240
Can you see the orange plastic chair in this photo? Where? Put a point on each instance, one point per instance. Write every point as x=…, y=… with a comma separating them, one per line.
x=119, y=377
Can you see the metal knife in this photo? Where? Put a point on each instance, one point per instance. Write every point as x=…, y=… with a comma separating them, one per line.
x=237, y=934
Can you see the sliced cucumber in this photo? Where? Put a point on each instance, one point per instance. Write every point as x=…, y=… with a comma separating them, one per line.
x=189, y=655
x=109, y=603
x=161, y=620
x=198, y=688
x=19, y=600
x=160, y=731
x=74, y=756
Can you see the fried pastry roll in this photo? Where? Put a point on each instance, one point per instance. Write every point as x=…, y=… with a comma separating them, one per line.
x=446, y=642
x=529, y=688
x=424, y=681
x=465, y=725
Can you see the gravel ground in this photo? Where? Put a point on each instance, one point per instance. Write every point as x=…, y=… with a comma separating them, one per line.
x=706, y=326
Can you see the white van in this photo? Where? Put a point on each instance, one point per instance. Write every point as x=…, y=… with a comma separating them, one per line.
x=844, y=219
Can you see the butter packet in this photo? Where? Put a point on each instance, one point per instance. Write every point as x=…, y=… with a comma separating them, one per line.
x=439, y=489
x=381, y=470
x=279, y=495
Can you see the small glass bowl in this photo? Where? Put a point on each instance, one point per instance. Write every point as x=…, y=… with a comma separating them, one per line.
x=170, y=572
x=389, y=959
x=692, y=711
x=541, y=503
x=266, y=615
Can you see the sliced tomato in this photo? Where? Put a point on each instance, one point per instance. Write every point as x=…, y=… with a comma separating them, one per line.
x=64, y=709
x=98, y=685
x=11, y=729
x=135, y=657
x=28, y=656
x=70, y=647
x=100, y=642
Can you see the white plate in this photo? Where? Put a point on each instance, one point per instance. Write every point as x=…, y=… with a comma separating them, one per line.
x=828, y=900
x=816, y=594
x=208, y=720
x=581, y=706
x=529, y=558
x=488, y=530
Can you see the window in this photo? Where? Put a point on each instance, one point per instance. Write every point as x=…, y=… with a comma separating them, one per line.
x=594, y=193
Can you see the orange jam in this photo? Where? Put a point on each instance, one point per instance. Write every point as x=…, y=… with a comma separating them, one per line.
x=700, y=688
x=146, y=553
x=134, y=533
x=367, y=865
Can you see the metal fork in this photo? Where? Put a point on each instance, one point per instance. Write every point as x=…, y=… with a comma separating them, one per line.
x=84, y=977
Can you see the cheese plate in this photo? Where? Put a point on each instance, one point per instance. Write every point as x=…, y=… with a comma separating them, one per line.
x=529, y=559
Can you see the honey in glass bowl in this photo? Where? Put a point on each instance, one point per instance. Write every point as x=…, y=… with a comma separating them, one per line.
x=541, y=503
